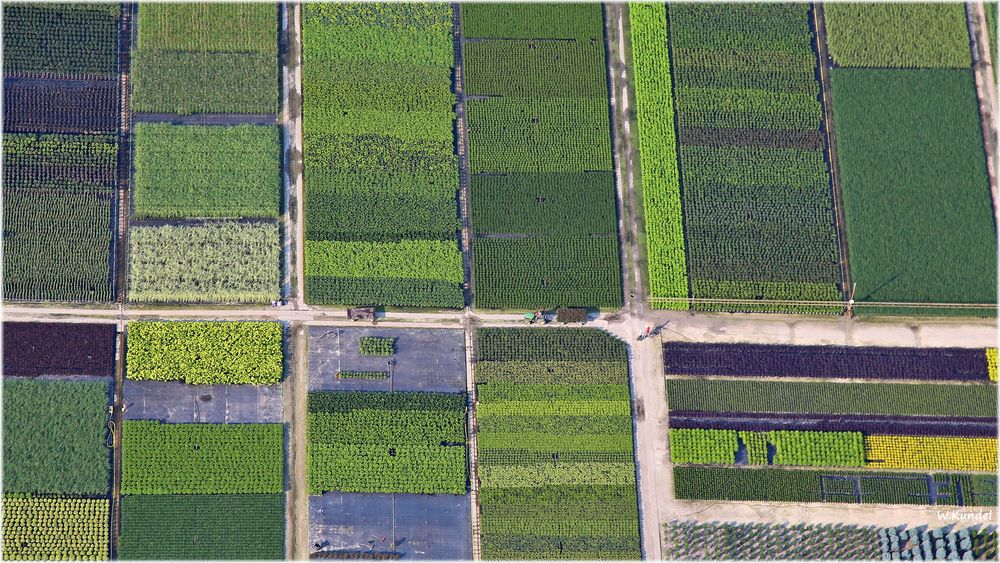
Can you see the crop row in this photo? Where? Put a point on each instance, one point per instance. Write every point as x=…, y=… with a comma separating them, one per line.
x=215, y=171
x=32, y=349
x=201, y=458
x=816, y=485
x=205, y=352
x=831, y=449
x=71, y=163
x=55, y=528
x=689, y=540
x=377, y=345
x=556, y=467
x=828, y=397
x=214, y=262
x=206, y=59
x=30, y=106
x=386, y=442
x=960, y=364
x=533, y=21
x=382, y=174
x=661, y=190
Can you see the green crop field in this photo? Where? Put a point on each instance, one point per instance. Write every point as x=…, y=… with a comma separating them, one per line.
x=163, y=459
x=916, y=197
x=898, y=35
x=381, y=177
x=55, y=528
x=54, y=437
x=68, y=39
x=212, y=263
x=206, y=527
x=212, y=58
x=205, y=352
x=387, y=442
x=556, y=468
x=539, y=149
x=218, y=171
x=829, y=397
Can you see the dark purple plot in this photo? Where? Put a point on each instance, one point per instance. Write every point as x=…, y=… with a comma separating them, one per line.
x=33, y=349
x=32, y=105
x=969, y=427
x=847, y=362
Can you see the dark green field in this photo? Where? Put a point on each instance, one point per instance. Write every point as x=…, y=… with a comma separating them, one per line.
x=53, y=437
x=916, y=197
x=202, y=527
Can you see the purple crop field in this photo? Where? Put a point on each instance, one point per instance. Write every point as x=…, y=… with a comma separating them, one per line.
x=970, y=427
x=60, y=106
x=32, y=349
x=928, y=364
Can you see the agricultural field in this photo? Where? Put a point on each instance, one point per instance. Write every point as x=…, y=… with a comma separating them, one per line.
x=865, y=430
x=539, y=150
x=892, y=35
x=901, y=135
x=58, y=349
x=207, y=527
x=748, y=137
x=728, y=541
x=205, y=352
x=387, y=442
x=54, y=528
x=211, y=262
x=184, y=171
x=840, y=362
x=381, y=178
x=556, y=468
x=63, y=106
x=54, y=437
x=60, y=40
x=206, y=58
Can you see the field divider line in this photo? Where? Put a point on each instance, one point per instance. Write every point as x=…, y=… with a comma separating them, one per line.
x=470, y=382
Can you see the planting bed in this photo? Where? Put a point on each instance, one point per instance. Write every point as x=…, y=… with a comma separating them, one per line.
x=60, y=39
x=556, y=466
x=34, y=349
x=901, y=135
x=424, y=360
x=436, y=527
x=216, y=171
x=206, y=527
x=387, y=442
x=177, y=402
x=205, y=352
x=848, y=362
x=54, y=528
x=54, y=437
x=206, y=58
x=539, y=148
x=60, y=106
x=381, y=172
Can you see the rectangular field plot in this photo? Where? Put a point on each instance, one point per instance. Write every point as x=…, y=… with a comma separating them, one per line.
x=205, y=352
x=823, y=397
x=60, y=163
x=64, y=39
x=216, y=171
x=54, y=437
x=435, y=527
x=60, y=106
x=387, y=442
x=221, y=262
x=207, y=58
x=163, y=459
x=66, y=349
x=820, y=485
x=206, y=527
x=542, y=187
x=178, y=402
x=378, y=145
x=848, y=362
x=55, y=528
x=903, y=135
x=556, y=461
x=423, y=360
